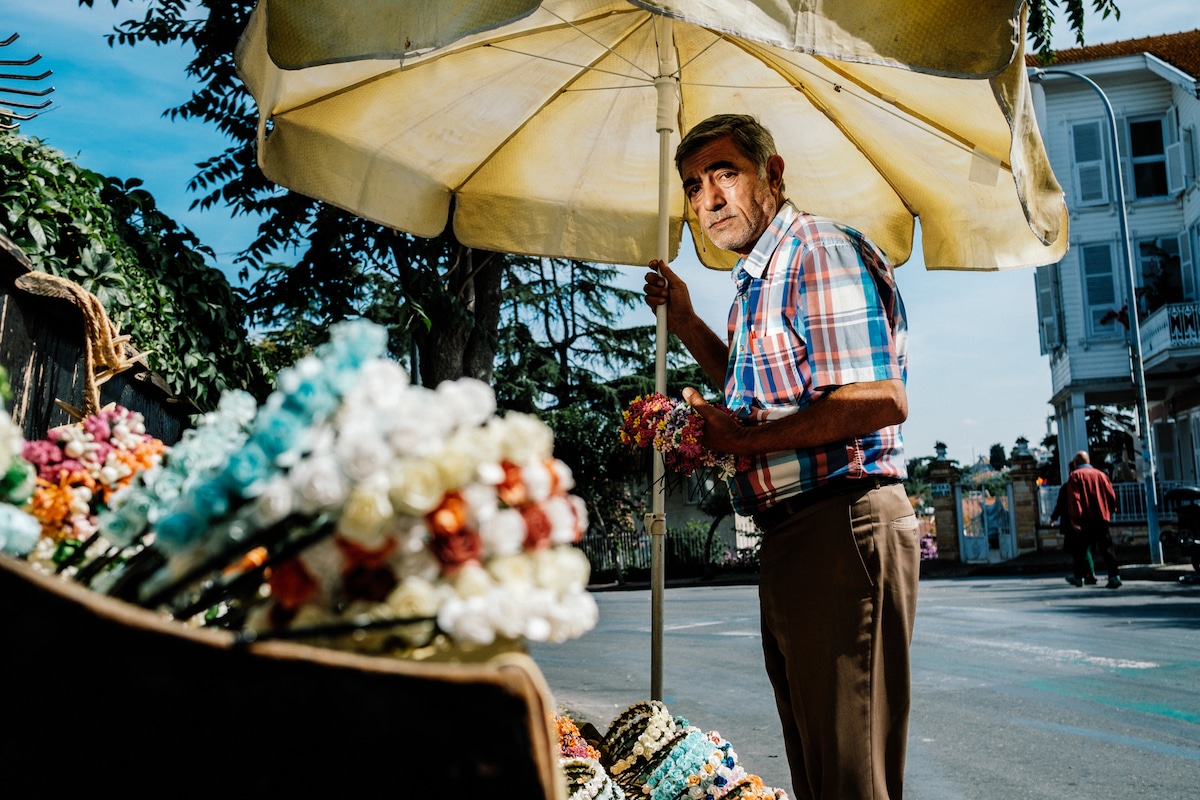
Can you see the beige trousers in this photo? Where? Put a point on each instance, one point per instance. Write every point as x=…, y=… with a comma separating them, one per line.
x=838, y=595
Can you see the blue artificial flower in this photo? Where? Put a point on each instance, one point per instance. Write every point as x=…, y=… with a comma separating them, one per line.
x=120, y=527
x=19, y=531
x=354, y=342
x=246, y=467
x=311, y=396
x=179, y=529
x=208, y=499
x=278, y=430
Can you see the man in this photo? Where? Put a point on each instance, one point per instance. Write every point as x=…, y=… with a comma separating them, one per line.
x=1090, y=498
x=814, y=371
x=1083, y=569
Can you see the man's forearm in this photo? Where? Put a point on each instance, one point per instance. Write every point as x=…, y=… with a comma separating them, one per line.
x=846, y=413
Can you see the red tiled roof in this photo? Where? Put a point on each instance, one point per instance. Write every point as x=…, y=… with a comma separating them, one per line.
x=1180, y=50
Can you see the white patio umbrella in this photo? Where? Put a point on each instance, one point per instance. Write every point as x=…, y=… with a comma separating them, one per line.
x=550, y=127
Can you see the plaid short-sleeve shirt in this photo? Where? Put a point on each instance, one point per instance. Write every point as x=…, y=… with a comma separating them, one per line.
x=816, y=308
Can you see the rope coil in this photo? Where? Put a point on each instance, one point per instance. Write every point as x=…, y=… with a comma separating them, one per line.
x=107, y=352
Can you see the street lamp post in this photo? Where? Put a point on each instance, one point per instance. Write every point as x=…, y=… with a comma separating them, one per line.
x=1135, y=334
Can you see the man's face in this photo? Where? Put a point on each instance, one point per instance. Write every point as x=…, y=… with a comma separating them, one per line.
x=734, y=205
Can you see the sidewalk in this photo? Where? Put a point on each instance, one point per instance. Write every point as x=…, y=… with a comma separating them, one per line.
x=1131, y=560
x=1133, y=568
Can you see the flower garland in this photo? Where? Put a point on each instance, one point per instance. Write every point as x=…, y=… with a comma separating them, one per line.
x=720, y=773
x=571, y=743
x=353, y=499
x=636, y=735
x=675, y=429
x=587, y=780
x=137, y=508
x=682, y=764
x=80, y=469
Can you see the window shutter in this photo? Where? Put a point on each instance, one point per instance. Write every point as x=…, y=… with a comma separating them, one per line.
x=1176, y=182
x=1185, y=262
x=1091, y=179
x=1187, y=138
x=1099, y=288
x=1049, y=326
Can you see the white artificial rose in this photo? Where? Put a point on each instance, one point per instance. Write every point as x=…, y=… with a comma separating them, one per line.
x=471, y=402
x=415, y=563
x=456, y=462
x=472, y=580
x=581, y=513
x=481, y=501
x=414, y=597
x=507, y=612
x=539, y=604
x=490, y=472
x=366, y=514
x=564, y=525
x=466, y=621
x=274, y=502
x=486, y=441
x=362, y=451
x=525, y=438
x=415, y=486
x=512, y=571
x=563, y=475
x=413, y=426
x=503, y=534
x=380, y=382
x=319, y=483
x=561, y=569
x=537, y=479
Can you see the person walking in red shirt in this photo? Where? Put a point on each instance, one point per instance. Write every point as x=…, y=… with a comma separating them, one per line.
x=1090, y=499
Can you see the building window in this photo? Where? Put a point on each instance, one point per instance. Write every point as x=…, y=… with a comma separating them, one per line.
x=1100, y=291
x=1160, y=277
x=1090, y=168
x=1148, y=157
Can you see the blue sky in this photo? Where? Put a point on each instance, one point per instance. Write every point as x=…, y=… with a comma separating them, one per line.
x=975, y=374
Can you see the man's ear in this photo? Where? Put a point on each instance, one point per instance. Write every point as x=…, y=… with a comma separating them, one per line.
x=775, y=171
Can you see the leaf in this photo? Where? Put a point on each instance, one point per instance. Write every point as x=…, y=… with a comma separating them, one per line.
x=35, y=230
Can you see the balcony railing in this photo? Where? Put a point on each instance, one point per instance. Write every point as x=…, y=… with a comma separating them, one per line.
x=1174, y=325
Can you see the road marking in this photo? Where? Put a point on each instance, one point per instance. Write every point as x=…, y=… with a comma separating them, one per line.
x=691, y=625
x=1043, y=653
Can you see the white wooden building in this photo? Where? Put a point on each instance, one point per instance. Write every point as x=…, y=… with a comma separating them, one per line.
x=1153, y=86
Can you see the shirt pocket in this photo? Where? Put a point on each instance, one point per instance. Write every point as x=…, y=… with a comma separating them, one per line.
x=780, y=366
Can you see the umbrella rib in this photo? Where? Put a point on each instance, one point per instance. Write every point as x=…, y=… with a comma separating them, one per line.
x=585, y=34
x=584, y=67
x=889, y=106
x=911, y=112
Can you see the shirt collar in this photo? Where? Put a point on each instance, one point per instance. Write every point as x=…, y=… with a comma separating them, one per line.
x=755, y=264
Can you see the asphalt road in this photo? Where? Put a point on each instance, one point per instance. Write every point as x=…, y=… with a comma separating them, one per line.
x=1022, y=687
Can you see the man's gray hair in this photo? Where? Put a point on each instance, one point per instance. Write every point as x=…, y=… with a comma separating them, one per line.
x=749, y=136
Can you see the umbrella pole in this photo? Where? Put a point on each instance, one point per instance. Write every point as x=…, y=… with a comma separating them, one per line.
x=656, y=522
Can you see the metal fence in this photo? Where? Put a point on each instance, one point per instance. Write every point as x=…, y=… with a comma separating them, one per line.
x=1130, y=506
x=618, y=551
x=685, y=548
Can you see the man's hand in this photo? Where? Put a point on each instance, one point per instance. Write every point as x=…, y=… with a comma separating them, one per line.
x=664, y=287
x=847, y=412
x=721, y=431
